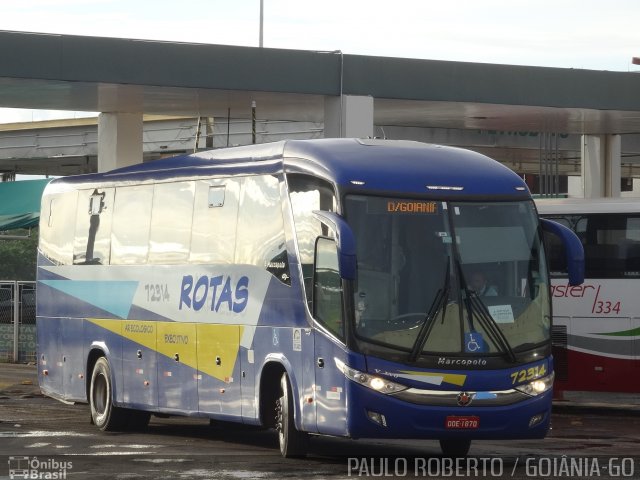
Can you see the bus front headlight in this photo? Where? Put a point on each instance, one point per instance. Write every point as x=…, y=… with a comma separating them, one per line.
x=537, y=386
x=373, y=382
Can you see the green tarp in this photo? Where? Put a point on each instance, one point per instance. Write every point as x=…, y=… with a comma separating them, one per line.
x=20, y=203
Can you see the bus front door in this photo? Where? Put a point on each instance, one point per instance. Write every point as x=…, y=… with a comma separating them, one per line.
x=330, y=392
x=327, y=306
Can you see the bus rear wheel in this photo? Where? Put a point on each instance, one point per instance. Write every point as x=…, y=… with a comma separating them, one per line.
x=455, y=448
x=104, y=414
x=293, y=443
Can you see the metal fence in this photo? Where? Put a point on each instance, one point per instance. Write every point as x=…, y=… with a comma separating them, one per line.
x=17, y=321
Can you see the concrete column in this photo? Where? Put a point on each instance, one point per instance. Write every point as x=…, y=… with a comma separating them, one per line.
x=592, y=160
x=601, y=160
x=119, y=140
x=613, y=166
x=348, y=116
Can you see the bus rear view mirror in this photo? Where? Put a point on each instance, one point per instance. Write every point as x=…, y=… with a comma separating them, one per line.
x=345, y=242
x=574, y=252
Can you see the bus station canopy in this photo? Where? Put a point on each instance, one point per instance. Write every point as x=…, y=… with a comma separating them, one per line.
x=98, y=74
x=20, y=203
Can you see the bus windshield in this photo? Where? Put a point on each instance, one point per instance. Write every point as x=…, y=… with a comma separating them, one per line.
x=419, y=291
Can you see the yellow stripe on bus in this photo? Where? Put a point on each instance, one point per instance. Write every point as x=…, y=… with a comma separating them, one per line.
x=212, y=349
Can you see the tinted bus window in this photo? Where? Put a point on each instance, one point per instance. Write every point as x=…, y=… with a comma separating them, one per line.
x=130, y=227
x=171, y=217
x=92, y=244
x=215, y=214
x=260, y=236
x=328, y=287
x=611, y=244
x=307, y=194
x=58, y=227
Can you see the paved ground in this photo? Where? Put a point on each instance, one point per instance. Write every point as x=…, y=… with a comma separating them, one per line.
x=58, y=439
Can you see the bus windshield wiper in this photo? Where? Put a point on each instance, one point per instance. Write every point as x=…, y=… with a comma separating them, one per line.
x=439, y=301
x=490, y=325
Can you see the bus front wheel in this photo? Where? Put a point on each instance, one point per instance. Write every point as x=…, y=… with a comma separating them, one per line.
x=293, y=443
x=104, y=414
x=455, y=448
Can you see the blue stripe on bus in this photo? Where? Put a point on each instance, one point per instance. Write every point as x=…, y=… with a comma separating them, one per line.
x=115, y=297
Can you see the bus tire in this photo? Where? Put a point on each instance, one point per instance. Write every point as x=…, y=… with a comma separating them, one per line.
x=455, y=447
x=293, y=443
x=104, y=414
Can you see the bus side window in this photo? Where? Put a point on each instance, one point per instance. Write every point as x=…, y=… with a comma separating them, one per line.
x=171, y=217
x=215, y=216
x=130, y=225
x=58, y=227
x=92, y=243
x=307, y=194
x=260, y=237
x=327, y=287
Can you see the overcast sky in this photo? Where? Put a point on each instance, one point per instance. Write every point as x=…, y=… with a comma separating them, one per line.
x=591, y=34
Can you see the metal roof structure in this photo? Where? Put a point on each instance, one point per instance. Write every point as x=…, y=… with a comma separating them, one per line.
x=64, y=72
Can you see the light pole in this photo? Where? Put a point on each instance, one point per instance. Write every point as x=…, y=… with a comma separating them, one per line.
x=261, y=22
x=253, y=122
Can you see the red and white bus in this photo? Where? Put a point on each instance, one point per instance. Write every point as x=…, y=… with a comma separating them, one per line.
x=596, y=333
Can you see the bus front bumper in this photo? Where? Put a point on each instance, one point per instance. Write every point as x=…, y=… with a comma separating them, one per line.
x=376, y=415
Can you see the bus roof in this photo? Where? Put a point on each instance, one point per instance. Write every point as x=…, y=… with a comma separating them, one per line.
x=550, y=206
x=355, y=164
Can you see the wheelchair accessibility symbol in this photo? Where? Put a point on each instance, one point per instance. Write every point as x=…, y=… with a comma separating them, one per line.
x=474, y=342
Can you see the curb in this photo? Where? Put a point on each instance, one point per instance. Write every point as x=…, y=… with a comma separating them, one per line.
x=596, y=408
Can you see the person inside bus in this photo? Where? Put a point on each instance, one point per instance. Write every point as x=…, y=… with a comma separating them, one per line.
x=478, y=283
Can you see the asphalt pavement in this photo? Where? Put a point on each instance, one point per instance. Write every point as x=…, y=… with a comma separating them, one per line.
x=590, y=432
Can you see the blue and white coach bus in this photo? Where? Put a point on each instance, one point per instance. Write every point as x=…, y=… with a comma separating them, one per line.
x=316, y=287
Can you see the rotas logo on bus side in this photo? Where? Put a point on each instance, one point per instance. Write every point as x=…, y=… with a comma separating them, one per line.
x=214, y=292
